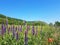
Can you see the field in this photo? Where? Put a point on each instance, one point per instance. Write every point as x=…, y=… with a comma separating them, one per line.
x=29, y=22
x=29, y=35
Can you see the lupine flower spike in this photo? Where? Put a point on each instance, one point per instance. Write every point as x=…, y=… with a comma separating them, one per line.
x=33, y=30
x=21, y=28
x=16, y=35
x=2, y=27
x=13, y=32
x=26, y=38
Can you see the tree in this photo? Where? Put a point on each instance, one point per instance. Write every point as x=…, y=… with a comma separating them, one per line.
x=57, y=23
x=50, y=24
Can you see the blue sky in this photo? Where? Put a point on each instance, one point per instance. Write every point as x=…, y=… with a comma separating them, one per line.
x=31, y=10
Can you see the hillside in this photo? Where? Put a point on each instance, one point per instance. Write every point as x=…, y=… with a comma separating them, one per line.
x=10, y=20
x=19, y=21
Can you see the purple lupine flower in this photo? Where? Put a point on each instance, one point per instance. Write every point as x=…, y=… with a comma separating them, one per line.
x=13, y=31
x=2, y=29
x=33, y=30
x=21, y=28
x=26, y=38
x=17, y=36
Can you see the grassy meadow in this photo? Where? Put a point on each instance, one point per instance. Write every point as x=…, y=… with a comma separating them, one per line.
x=16, y=32
x=42, y=35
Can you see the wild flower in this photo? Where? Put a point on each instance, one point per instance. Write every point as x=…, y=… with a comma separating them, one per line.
x=26, y=38
x=13, y=34
x=2, y=27
x=33, y=30
x=13, y=31
x=21, y=28
x=17, y=36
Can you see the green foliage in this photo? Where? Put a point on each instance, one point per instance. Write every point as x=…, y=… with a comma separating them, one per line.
x=57, y=23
